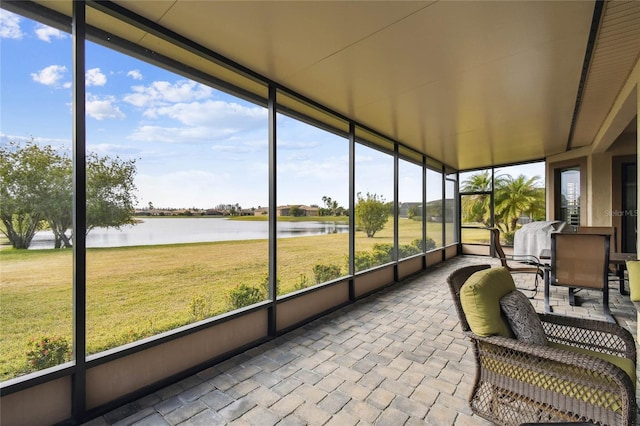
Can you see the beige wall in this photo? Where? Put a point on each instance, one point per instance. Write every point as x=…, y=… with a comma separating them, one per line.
x=295, y=310
x=409, y=267
x=599, y=191
x=109, y=381
x=43, y=404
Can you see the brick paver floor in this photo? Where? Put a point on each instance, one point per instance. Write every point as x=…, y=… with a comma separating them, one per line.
x=395, y=358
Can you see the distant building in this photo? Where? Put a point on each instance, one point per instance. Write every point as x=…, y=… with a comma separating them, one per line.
x=405, y=207
x=286, y=210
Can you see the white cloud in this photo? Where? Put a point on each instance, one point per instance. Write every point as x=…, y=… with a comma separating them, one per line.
x=46, y=33
x=102, y=108
x=114, y=150
x=290, y=145
x=172, y=134
x=95, y=78
x=10, y=25
x=161, y=93
x=209, y=121
x=50, y=76
x=61, y=144
x=233, y=149
x=135, y=74
x=218, y=114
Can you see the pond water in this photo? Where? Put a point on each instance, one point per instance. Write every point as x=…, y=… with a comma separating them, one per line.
x=152, y=231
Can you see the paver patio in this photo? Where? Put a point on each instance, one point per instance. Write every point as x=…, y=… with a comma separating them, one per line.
x=395, y=358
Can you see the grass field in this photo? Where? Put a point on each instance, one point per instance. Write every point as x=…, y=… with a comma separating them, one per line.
x=135, y=292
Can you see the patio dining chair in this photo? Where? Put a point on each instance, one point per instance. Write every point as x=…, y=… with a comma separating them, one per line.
x=575, y=370
x=517, y=264
x=615, y=273
x=579, y=261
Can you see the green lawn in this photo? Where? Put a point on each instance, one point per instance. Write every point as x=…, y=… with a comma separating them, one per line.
x=134, y=292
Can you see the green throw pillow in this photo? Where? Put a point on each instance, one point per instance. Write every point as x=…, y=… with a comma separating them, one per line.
x=633, y=267
x=480, y=298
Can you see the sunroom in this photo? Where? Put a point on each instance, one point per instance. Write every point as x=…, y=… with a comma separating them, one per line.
x=248, y=138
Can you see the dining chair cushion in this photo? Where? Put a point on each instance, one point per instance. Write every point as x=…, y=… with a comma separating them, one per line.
x=523, y=318
x=633, y=269
x=480, y=299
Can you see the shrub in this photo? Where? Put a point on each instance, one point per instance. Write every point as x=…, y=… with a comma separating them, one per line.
x=264, y=285
x=508, y=237
x=244, y=295
x=430, y=244
x=46, y=352
x=424, y=245
x=324, y=273
x=303, y=282
x=407, y=250
x=363, y=260
x=382, y=253
x=198, y=309
x=140, y=330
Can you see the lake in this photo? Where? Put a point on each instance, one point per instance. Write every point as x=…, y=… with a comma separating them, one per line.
x=152, y=231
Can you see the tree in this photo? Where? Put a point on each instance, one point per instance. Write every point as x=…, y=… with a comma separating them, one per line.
x=23, y=180
x=331, y=207
x=413, y=212
x=36, y=187
x=297, y=211
x=110, y=192
x=476, y=207
x=372, y=213
x=515, y=197
x=58, y=203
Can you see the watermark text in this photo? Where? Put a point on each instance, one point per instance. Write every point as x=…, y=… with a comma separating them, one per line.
x=621, y=212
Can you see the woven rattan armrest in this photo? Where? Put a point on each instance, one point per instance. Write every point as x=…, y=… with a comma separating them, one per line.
x=599, y=336
x=558, y=378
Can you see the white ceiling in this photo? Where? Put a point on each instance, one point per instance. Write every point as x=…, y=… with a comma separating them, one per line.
x=470, y=83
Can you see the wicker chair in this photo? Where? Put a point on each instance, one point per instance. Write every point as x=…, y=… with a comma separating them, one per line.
x=518, y=382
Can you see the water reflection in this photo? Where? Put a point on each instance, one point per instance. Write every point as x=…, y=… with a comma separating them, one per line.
x=153, y=231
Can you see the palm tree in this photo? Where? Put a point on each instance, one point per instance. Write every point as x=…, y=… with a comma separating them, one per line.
x=515, y=197
x=476, y=207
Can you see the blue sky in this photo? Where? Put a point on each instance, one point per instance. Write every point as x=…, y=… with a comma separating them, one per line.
x=194, y=146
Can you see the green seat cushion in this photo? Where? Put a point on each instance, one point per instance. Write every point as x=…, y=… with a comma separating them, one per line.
x=633, y=268
x=627, y=365
x=554, y=376
x=480, y=299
